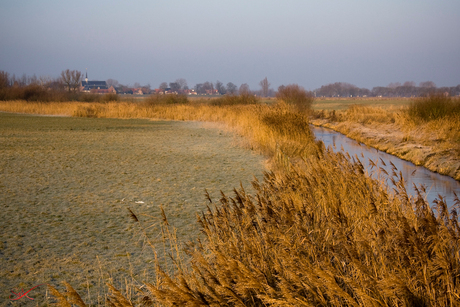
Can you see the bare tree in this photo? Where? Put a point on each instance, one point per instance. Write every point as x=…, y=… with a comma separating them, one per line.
x=4, y=79
x=394, y=84
x=175, y=87
x=409, y=83
x=220, y=87
x=45, y=81
x=163, y=86
x=71, y=79
x=265, y=85
x=182, y=83
x=427, y=84
x=244, y=89
x=231, y=88
x=112, y=82
x=199, y=88
x=207, y=87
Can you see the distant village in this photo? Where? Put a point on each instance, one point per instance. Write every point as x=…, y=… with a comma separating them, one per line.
x=102, y=87
x=71, y=81
x=338, y=89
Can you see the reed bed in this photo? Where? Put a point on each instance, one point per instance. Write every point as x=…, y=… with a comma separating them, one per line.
x=321, y=234
x=40, y=108
x=273, y=130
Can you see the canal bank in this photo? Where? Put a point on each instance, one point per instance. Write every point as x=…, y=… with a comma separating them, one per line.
x=432, y=154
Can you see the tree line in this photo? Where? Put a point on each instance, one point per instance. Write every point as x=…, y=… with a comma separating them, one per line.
x=219, y=88
x=67, y=85
x=407, y=89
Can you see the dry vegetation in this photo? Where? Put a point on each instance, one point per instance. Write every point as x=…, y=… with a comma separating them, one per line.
x=321, y=234
x=318, y=231
x=269, y=129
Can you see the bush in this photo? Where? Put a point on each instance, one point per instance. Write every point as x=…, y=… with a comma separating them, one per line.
x=87, y=97
x=434, y=106
x=31, y=92
x=229, y=100
x=296, y=95
x=108, y=97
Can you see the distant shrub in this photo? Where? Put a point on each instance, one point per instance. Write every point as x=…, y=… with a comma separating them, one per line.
x=31, y=92
x=109, y=97
x=92, y=97
x=296, y=95
x=434, y=106
x=166, y=99
x=88, y=97
x=228, y=100
x=35, y=93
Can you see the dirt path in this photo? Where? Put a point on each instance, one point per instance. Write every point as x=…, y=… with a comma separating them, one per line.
x=66, y=184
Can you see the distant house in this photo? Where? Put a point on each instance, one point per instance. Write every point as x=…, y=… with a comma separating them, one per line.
x=212, y=92
x=137, y=91
x=112, y=90
x=190, y=92
x=99, y=91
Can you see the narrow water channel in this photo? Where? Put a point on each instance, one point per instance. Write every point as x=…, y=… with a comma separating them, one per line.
x=434, y=183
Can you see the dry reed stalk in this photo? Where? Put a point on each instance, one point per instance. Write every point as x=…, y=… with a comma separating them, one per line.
x=68, y=298
x=322, y=234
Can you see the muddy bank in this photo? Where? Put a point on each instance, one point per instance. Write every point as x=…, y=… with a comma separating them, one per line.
x=433, y=154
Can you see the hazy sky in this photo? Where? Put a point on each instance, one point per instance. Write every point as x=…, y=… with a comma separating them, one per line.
x=312, y=43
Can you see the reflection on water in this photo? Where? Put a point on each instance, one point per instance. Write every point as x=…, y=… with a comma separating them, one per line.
x=435, y=184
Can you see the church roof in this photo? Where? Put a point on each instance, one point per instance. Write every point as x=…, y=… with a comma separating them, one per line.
x=94, y=83
x=88, y=85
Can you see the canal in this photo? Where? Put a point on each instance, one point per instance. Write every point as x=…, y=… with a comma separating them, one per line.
x=436, y=185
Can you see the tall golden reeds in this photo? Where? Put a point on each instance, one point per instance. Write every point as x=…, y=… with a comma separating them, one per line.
x=322, y=234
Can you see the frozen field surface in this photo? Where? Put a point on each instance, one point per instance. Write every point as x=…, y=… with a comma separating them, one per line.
x=66, y=184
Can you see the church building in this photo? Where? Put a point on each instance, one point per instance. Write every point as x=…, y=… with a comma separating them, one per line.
x=88, y=86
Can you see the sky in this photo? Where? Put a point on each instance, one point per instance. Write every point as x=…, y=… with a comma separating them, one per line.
x=367, y=43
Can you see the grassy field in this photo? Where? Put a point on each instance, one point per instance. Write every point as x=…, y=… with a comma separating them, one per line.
x=329, y=104
x=66, y=184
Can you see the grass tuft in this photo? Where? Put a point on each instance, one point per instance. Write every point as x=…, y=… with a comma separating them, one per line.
x=433, y=107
